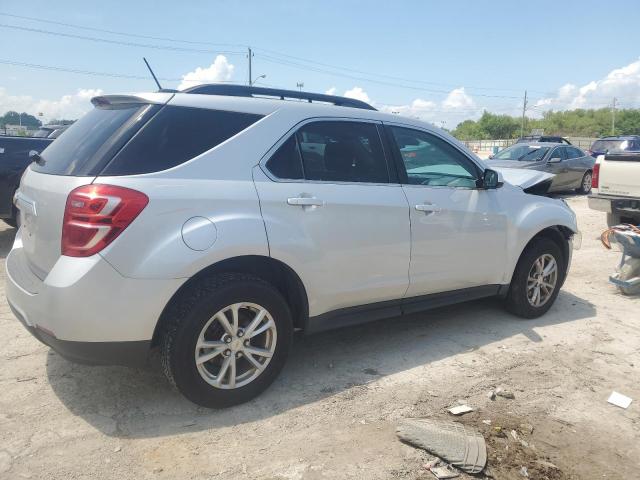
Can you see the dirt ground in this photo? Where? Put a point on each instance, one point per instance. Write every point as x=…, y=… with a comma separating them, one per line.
x=333, y=411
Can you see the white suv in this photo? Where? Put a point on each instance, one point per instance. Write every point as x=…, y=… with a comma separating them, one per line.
x=210, y=224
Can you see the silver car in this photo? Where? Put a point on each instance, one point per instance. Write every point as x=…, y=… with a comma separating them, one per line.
x=571, y=166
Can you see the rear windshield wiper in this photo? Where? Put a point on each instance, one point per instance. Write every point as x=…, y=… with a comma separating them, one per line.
x=35, y=157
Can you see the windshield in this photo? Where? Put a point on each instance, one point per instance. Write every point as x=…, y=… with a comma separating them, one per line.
x=42, y=133
x=82, y=147
x=606, y=146
x=522, y=153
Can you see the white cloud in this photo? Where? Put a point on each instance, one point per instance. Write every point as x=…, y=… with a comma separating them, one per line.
x=70, y=106
x=219, y=71
x=456, y=106
x=458, y=99
x=331, y=91
x=622, y=83
x=357, y=93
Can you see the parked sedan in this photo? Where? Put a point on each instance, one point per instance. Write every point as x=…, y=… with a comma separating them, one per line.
x=571, y=166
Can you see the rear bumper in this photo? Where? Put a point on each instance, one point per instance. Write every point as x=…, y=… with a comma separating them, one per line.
x=610, y=203
x=130, y=354
x=85, y=310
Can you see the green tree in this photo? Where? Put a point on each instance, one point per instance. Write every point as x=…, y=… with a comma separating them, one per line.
x=15, y=118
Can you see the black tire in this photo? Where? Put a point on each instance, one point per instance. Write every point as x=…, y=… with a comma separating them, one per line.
x=581, y=189
x=517, y=301
x=187, y=317
x=12, y=221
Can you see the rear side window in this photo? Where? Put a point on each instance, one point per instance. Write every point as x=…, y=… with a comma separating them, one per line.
x=332, y=151
x=85, y=145
x=286, y=162
x=175, y=135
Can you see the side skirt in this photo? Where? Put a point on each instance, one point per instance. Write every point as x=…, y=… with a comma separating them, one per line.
x=345, y=317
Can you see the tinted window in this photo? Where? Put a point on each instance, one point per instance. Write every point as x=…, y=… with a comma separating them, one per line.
x=84, y=144
x=286, y=162
x=559, y=152
x=432, y=161
x=342, y=152
x=573, y=152
x=175, y=135
x=523, y=153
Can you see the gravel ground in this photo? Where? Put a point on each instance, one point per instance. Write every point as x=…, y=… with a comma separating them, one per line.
x=332, y=413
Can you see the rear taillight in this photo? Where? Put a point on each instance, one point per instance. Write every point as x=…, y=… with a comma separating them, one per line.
x=595, y=177
x=95, y=215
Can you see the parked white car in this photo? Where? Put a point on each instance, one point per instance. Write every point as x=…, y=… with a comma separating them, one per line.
x=210, y=224
x=616, y=186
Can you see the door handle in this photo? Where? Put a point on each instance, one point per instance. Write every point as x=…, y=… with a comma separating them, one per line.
x=428, y=208
x=305, y=201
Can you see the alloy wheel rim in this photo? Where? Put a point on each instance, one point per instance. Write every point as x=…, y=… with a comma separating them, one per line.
x=542, y=280
x=236, y=345
x=586, y=183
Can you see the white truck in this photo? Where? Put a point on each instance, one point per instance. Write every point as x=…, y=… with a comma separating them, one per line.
x=616, y=187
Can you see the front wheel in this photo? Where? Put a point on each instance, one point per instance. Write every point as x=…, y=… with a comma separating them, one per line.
x=226, y=340
x=537, y=279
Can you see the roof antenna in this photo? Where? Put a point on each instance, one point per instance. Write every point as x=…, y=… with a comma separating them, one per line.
x=152, y=74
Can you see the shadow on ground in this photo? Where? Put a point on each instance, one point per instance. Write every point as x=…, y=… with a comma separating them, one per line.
x=125, y=402
x=7, y=234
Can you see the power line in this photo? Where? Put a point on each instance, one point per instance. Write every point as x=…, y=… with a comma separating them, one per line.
x=94, y=73
x=273, y=56
x=293, y=64
x=116, y=42
x=115, y=32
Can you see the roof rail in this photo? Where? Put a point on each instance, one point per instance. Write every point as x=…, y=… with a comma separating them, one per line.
x=246, y=91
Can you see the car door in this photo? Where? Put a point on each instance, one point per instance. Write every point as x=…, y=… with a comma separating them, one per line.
x=578, y=163
x=557, y=164
x=458, y=232
x=333, y=214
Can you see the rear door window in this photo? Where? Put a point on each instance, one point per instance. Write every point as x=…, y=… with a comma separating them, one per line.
x=336, y=151
x=175, y=135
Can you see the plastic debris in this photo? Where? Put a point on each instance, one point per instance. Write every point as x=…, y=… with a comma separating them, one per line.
x=524, y=472
x=619, y=400
x=444, y=472
x=462, y=447
x=460, y=410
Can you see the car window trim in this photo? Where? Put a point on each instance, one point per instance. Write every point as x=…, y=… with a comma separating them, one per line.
x=293, y=132
x=402, y=171
x=557, y=148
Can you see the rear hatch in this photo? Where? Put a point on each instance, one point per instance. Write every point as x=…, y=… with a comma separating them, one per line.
x=620, y=175
x=74, y=159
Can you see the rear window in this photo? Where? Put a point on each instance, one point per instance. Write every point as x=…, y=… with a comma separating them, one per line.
x=175, y=135
x=85, y=145
x=613, y=146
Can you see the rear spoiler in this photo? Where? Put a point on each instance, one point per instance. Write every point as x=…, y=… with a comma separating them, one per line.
x=158, y=98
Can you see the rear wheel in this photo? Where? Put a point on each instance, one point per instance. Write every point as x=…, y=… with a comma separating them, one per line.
x=585, y=184
x=227, y=340
x=537, y=279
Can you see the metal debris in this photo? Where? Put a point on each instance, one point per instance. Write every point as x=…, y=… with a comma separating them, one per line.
x=456, y=444
x=619, y=400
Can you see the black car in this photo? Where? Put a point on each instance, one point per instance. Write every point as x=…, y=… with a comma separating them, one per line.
x=543, y=138
x=619, y=144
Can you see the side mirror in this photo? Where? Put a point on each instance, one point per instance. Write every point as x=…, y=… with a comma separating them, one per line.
x=491, y=156
x=34, y=156
x=555, y=160
x=490, y=179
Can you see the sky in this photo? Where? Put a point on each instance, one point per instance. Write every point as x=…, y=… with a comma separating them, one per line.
x=442, y=61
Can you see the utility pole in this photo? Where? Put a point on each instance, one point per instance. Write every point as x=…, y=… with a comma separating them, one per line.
x=524, y=109
x=300, y=85
x=613, y=116
x=250, y=55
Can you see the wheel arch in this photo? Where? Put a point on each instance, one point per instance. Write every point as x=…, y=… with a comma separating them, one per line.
x=277, y=273
x=560, y=235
